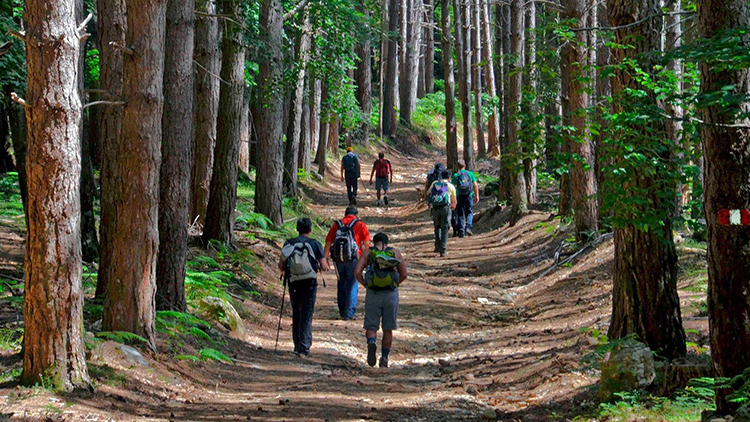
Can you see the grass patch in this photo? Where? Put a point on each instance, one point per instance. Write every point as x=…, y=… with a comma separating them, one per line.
x=106, y=375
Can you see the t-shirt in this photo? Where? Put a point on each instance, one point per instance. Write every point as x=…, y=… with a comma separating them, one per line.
x=451, y=188
x=472, y=177
x=355, y=171
x=316, y=247
x=361, y=233
x=377, y=165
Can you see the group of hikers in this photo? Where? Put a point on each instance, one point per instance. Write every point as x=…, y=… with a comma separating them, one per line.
x=359, y=259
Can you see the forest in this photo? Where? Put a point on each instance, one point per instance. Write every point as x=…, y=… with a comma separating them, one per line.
x=155, y=154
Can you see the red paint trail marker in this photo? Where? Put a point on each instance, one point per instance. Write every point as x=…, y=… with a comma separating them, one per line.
x=734, y=217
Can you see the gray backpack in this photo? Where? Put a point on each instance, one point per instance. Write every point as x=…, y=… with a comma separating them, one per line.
x=299, y=261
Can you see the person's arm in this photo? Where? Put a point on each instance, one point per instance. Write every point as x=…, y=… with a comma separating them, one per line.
x=402, y=271
x=324, y=265
x=454, y=202
x=327, y=250
x=360, y=267
x=426, y=189
x=390, y=171
x=372, y=173
x=476, y=192
x=329, y=240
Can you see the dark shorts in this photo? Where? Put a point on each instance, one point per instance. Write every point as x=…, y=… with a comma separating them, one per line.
x=381, y=305
x=382, y=183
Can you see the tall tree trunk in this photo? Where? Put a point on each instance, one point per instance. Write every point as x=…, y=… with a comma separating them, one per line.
x=493, y=124
x=315, y=125
x=421, y=89
x=726, y=147
x=390, y=116
x=53, y=298
x=243, y=160
x=208, y=66
x=429, y=53
x=520, y=199
x=565, y=205
x=89, y=240
x=6, y=160
x=645, y=300
x=476, y=76
x=294, y=134
x=451, y=143
x=223, y=188
x=506, y=175
x=582, y=173
x=364, y=79
x=674, y=125
x=304, y=142
x=461, y=12
x=176, y=151
x=131, y=287
x=268, y=195
x=603, y=90
x=322, y=151
x=529, y=60
x=410, y=75
x=111, y=25
x=334, y=134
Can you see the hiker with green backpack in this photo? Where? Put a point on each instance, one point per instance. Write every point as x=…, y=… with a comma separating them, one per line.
x=441, y=196
x=301, y=259
x=467, y=194
x=384, y=271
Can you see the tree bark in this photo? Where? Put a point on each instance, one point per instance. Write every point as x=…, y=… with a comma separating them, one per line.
x=603, y=90
x=304, y=145
x=461, y=11
x=223, y=188
x=529, y=61
x=390, y=117
x=131, y=287
x=582, y=172
x=315, y=125
x=177, y=142
x=364, y=79
x=451, y=143
x=645, y=300
x=208, y=66
x=565, y=205
x=674, y=126
x=476, y=52
x=53, y=298
x=111, y=25
x=429, y=54
x=408, y=103
x=6, y=160
x=294, y=134
x=493, y=124
x=520, y=199
x=268, y=195
x=243, y=159
x=727, y=172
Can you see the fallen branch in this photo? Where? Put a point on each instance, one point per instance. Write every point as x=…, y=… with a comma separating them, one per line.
x=19, y=100
x=585, y=247
x=7, y=277
x=114, y=103
x=18, y=34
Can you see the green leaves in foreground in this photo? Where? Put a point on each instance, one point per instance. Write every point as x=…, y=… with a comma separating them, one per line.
x=206, y=355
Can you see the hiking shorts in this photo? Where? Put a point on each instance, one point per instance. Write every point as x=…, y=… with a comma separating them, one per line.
x=381, y=305
x=382, y=183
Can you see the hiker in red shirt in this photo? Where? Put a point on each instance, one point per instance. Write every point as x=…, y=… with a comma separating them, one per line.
x=345, y=242
x=384, y=176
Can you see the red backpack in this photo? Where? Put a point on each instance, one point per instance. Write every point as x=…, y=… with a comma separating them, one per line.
x=382, y=168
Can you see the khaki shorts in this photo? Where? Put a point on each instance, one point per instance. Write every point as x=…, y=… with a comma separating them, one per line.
x=381, y=305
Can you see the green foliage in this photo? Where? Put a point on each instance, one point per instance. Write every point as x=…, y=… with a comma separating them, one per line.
x=10, y=196
x=206, y=355
x=203, y=284
x=122, y=337
x=687, y=405
x=13, y=63
x=92, y=70
x=105, y=374
x=11, y=338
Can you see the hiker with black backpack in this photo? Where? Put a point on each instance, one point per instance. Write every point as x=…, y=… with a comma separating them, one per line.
x=384, y=177
x=432, y=176
x=301, y=259
x=467, y=194
x=345, y=242
x=350, y=174
x=385, y=271
x=441, y=196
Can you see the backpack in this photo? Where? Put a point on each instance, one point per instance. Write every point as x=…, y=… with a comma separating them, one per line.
x=464, y=187
x=382, y=168
x=298, y=258
x=434, y=174
x=344, y=247
x=349, y=163
x=439, y=195
x=382, y=271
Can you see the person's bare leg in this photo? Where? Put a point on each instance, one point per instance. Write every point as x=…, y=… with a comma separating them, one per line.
x=371, y=334
x=387, y=339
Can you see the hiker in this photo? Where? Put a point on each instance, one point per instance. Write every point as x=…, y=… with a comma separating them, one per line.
x=301, y=259
x=386, y=270
x=442, y=198
x=432, y=176
x=345, y=242
x=467, y=194
x=384, y=177
x=350, y=174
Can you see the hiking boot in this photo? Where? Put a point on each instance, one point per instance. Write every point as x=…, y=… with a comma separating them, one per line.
x=385, y=199
x=469, y=233
x=436, y=249
x=383, y=362
x=371, y=349
x=443, y=254
x=378, y=203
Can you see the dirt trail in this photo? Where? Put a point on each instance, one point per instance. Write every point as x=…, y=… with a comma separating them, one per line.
x=478, y=331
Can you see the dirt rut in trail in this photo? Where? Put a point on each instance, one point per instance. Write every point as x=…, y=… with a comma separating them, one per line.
x=479, y=333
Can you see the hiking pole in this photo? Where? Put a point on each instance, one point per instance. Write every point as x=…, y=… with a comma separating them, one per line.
x=281, y=312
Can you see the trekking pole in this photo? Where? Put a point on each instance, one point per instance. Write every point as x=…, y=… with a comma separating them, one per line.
x=281, y=312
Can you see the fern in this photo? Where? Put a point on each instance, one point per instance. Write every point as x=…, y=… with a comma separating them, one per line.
x=188, y=357
x=203, y=261
x=197, y=332
x=213, y=354
x=122, y=337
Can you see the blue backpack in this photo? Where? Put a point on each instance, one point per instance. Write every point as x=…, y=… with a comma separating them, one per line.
x=465, y=187
x=439, y=195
